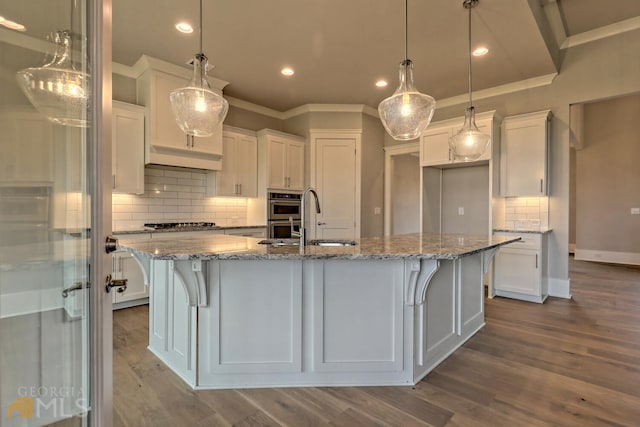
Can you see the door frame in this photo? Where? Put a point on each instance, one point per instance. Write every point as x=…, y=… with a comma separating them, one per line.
x=389, y=153
x=350, y=134
x=99, y=23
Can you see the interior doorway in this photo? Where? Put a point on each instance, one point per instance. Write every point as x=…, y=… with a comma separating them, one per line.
x=402, y=189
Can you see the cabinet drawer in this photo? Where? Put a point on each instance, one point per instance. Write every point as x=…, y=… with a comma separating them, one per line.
x=528, y=240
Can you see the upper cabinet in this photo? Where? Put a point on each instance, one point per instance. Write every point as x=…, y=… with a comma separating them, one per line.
x=239, y=174
x=26, y=153
x=281, y=158
x=165, y=143
x=128, y=148
x=434, y=142
x=524, y=155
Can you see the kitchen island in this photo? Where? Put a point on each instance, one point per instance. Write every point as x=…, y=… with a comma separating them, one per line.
x=228, y=312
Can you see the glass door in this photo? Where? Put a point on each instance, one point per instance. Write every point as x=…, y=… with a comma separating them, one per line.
x=55, y=366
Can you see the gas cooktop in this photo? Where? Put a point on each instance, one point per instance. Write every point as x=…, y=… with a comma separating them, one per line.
x=180, y=225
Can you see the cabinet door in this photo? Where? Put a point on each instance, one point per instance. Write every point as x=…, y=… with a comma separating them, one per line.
x=485, y=127
x=128, y=148
x=226, y=178
x=127, y=268
x=277, y=161
x=247, y=165
x=26, y=154
x=434, y=147
x=524, y=158
x=518, y=270
x=165, y=132
x=295, y=165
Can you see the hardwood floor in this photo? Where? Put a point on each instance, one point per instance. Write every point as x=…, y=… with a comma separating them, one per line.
x=564, y=363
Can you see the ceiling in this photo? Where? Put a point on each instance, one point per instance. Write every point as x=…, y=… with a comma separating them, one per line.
x=339, y=48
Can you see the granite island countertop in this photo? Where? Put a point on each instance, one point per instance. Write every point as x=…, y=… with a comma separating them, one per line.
x=405, y=246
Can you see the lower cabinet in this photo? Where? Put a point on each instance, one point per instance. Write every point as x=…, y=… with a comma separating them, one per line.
x=520, y=269
x=124, y=266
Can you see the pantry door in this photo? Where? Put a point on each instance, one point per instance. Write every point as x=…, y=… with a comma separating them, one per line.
x=55, y=212
x=335, y=173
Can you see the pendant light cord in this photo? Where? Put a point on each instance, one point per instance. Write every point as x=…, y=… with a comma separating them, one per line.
x=406, y=29
x=200, y=29
x=470, y=80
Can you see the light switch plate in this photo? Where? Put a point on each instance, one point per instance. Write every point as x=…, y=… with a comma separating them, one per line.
x=635, y=211
x=461, y=210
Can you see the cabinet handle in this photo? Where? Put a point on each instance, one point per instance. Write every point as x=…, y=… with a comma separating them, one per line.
x=541, y=192
x=114, y=181
x=536, y=260
x=235, y=188
x=188, y=141
x=240, y=188
x=449, y=154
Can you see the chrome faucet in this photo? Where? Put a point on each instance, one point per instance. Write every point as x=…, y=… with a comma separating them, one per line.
x=302, y=233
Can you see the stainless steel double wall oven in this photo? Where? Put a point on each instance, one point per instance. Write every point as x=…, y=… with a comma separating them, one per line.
x=283, y=214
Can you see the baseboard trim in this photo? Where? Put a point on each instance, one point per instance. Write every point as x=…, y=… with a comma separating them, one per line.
x=629, y=258
x=560, y=288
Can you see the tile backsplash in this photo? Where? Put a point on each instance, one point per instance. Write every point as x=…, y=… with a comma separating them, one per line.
x=174, y=195
x=527, y=213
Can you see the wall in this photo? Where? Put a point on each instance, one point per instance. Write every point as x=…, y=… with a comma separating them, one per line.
x=175, y=195
x=465, y=188
x=405, y=194
x=372, y=182
x=608, y=182
x=601, y=69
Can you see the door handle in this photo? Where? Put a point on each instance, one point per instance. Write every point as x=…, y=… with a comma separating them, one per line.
x=322, y=223
x=110, y=282
x=111, y=244
x=75, y=287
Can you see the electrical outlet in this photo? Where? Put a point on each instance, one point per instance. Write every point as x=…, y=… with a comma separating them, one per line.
x=635, y=211
x=461, y=210
x=377, y=211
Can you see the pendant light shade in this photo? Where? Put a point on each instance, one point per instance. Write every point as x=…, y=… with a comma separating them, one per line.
x=406, y=113
x=57, y=89
x=469, y=143
x=198, y=109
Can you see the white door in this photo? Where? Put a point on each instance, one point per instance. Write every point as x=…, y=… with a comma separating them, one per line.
x=55, y=315
x=336, y=187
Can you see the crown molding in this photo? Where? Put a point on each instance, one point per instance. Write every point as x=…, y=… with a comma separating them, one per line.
x=602, y=32
x=255, y=108
x=330, y=108
x=498, y=90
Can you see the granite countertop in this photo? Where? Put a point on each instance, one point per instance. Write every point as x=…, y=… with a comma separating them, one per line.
x=142, y=230
x=510, y=230
x=226, y=247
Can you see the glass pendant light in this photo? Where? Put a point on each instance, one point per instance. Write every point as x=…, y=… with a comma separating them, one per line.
x=406, y=113
x=57, y=89
x=469, y=143
x=198, y=110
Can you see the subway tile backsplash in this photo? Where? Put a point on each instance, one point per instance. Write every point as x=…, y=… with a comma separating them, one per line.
x=175, y=195
x=527, y=213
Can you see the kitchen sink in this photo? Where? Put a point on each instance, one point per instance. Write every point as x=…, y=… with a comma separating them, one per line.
x=331, y=242
x=280, y=242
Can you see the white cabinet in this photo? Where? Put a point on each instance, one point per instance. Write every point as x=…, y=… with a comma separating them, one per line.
x=124, y=266
x=127, y=148
x=524, y=155
x=26, y=152
x=281, y=157
x=239, y=174
x=434, y=142
x=165, y=143
x=520, y=268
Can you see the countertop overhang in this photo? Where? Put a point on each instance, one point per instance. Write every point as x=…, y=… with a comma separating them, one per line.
x=227, y=247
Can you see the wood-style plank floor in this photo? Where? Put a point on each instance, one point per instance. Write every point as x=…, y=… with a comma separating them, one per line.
x=564, y=363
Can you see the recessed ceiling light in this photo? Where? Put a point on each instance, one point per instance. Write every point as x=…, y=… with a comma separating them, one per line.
x=481, y=51
x=184, y=27
x=381, y=83
x=286, y=71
